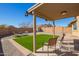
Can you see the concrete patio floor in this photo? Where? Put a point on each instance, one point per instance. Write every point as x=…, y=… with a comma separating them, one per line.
x=67, y=46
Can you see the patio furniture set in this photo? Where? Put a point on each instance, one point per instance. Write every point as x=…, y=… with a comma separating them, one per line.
x=62, y=47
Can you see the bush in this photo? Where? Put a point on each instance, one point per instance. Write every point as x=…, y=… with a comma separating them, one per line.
x=11, y=30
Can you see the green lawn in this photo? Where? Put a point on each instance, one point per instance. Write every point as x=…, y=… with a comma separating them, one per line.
x=26, y=41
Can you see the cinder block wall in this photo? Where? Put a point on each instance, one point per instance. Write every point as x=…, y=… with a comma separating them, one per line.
x=68, y=30
x=58, y=30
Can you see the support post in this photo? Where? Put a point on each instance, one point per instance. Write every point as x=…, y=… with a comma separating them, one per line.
x=34, y=33
x=54, y=27
x=72, y=29
x=54, y=33
x=77, y=18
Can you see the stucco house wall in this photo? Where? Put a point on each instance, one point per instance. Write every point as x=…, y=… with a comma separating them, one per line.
x=76, y=32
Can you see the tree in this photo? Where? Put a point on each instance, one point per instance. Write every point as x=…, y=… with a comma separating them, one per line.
x=7, y=30
x=3, y=26
x=24, y=25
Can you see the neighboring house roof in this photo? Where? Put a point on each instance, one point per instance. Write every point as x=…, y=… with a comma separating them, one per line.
x=72, y=22
x=55, y=11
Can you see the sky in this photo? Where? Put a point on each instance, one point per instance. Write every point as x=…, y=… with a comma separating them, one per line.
x=14, y=14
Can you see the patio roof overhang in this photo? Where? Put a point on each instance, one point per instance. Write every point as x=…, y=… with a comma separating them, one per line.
x=54, y=11
x=74, y=21
x=51, y=12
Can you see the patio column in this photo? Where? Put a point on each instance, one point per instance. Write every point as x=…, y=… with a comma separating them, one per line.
x=72, y=28
x=77, y=17
x=54, y=27
x=34, y=33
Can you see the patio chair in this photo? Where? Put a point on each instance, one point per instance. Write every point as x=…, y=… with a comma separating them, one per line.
x=51, y=42
x=74, y=51
x=76, y=46
x=64, y=53
x=59, y=44
x=59, y=41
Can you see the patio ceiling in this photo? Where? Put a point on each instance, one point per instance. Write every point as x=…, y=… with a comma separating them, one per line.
x=54, y=11
x=51, y=11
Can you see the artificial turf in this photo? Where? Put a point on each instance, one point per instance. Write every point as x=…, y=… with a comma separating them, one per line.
x=27, y=41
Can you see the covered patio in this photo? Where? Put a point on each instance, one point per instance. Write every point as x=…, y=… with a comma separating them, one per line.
x=51, y=12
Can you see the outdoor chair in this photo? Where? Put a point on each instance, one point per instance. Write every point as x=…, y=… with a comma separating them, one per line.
x=56, y=43
x=76, y=46
x=59, y=51
x=59, y=44
x=61, y=40
x=51, y=43
x=74, y=51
